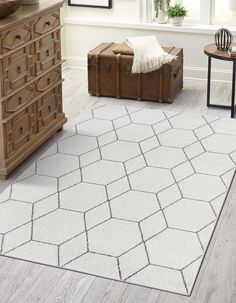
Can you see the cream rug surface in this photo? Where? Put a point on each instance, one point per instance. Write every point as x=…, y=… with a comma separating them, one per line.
x=127, y=194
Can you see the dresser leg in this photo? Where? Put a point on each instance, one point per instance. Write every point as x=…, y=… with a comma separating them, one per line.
x=60, y=130
x=209, y=82
x=233, y=91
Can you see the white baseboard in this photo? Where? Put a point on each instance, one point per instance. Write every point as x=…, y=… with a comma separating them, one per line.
x=76, y=62
x=223, y=75
x=190, y=72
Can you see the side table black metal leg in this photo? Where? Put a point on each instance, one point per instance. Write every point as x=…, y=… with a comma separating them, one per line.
x=233, y=90
x=209, y=82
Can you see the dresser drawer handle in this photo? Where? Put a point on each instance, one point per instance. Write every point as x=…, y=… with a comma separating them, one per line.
x=48, y=23
x=21, y=130
x=18, y=36
x=48, y=81
x=49, y=109
x=18, y=70
x=47, y=52
x=107, y=68
x=19, y=100
x=177, y=72
x=128, y=71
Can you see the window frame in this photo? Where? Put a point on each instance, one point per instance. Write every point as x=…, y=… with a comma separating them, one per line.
x=192, y=21
x=213, y=20
x=207, y=13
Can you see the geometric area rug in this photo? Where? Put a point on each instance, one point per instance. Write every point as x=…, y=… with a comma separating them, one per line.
x=128, y=194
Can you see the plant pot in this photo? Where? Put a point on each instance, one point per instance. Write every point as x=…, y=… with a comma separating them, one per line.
x=30, y=1
x=8, y=7
x=177, y=21
x=161, y=17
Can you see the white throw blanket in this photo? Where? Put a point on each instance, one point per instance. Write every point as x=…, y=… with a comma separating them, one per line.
x=148, y=54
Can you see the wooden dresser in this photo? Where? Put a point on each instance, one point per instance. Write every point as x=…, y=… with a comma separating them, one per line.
x=30, y=81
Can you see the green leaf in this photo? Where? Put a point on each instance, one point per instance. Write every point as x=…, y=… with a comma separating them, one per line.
x=177, y=11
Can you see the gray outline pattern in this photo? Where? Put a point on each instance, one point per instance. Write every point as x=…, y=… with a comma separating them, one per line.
x=99, y=147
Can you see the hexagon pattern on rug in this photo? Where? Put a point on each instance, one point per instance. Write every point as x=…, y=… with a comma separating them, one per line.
x=179, y=243
x=129, y=194
x=217, y=164
x=34, y=188
x=14, y=214
x=103, y=172
x=202, y=187
x=165, y=157
x=77, y=145
x=94, y=127
x=120, y=151
x=147, y=116
x=82, y=197
x=114, y=237
x=146, y=179
x=189, y=215
x=135, y=132
x=50, y=166
x=134, y=205
x=187, y=121
x=49, y=229
x=177, y=138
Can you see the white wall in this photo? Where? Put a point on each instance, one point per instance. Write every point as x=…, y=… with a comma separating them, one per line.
x=85, y=28
x=122, y=11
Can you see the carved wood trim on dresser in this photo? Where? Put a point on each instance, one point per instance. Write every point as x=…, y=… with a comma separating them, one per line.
x=30, y=81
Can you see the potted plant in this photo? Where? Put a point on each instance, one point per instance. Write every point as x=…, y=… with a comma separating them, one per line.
x=30, y=1
x=161, y=7
x=176, y=14
x=8, y=7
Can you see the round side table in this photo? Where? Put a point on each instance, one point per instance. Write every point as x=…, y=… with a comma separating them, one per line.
x=212, y=52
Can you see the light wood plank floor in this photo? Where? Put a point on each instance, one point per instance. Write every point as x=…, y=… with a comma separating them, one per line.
x=24, y=282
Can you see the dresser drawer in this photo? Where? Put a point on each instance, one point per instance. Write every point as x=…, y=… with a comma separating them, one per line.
x=30, y=82
x=49, y=107
x=18, y=68
x=48, y=52
x=14, y=38
x=20, y=130
x=48, y=80
x=46, y=23
x=17, y=101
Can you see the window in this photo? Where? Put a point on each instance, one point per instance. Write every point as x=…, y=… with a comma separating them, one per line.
x=221, y=12
x=207, y=11
x=193, y=7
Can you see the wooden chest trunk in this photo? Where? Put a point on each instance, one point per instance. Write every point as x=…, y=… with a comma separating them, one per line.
x=110, y=75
